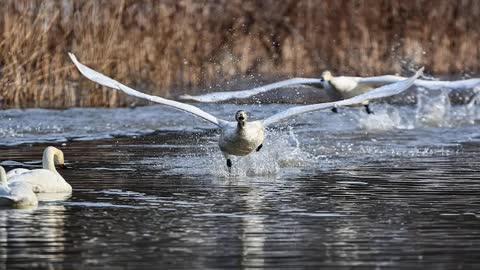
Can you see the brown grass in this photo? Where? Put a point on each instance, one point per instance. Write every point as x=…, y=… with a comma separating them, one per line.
x=165, y=47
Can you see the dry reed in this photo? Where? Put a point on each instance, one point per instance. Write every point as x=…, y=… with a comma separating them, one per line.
x=165, y=47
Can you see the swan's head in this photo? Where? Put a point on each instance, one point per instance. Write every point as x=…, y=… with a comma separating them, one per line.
x=326, y=76
x=241, y=117
x=325, y=79
x=55, y=155
x=60, y=160
x=3, y=176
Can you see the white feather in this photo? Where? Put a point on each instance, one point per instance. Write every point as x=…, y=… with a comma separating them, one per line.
x=222, y=96
x=108, y=82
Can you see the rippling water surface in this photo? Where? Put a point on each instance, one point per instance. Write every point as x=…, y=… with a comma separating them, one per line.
x=400, y=188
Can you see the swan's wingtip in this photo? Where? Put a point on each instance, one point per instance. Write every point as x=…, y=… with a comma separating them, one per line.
x=420, y=71
x=73, y=58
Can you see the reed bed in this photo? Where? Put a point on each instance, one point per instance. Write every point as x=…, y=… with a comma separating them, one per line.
x=172, y=47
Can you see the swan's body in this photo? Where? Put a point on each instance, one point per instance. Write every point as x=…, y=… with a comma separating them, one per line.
x=18, y=194
x=16, y=172
x=46, y=179
x=336, y=87
x=240, y=138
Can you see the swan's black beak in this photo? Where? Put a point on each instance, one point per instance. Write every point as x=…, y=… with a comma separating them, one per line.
x=62, y=166
x=241, y=118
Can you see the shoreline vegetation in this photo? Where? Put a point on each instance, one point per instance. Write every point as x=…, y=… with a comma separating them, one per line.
x=169, y=48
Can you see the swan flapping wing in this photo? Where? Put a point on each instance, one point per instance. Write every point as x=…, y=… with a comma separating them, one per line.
x=108, y=82
x=430, y=85
x=383, y=91
x=374, y=81
x=222, y=96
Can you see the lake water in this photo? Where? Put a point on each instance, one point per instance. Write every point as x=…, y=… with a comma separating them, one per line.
x=397, y=189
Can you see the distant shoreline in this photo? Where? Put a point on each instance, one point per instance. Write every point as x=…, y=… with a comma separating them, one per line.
x=169, y=48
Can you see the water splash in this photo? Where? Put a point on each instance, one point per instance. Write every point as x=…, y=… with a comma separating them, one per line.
x=281, y=149
x=433, y=109
x=386, y=118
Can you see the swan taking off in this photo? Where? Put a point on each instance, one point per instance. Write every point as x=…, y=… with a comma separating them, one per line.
x=242, y=137
x=337, y=88
x=18, y=194
x=47, y=179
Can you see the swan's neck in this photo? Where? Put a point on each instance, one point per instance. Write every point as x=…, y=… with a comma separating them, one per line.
x=48, y=160
x=330, y=85
x=3, y=176
x=240, y=125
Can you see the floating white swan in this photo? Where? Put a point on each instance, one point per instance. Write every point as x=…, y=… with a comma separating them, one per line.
x=240, y=138
x=18, y=194
x=337, y=88
x=46, y=179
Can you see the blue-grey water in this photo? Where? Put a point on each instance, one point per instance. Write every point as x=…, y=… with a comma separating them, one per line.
x=396, y=189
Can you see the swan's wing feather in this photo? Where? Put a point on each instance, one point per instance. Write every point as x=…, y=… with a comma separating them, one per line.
x=385, y=79
x=430, y=85
x=453, y=85
x=222, y=96
x=384, y=91
x=16, y=172
x=108, y=82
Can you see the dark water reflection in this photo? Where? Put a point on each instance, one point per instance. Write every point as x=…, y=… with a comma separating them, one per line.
x=140, y=204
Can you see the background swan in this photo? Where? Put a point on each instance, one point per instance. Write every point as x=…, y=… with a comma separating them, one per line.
x=46, y=179
x=337, y=87
x=240, y=138
x=18, y=194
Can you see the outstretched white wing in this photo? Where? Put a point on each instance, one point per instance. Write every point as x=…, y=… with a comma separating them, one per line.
x=384, y=91
x=222, y=96
x=430, y=85
x=375, y=81
x=106, y=81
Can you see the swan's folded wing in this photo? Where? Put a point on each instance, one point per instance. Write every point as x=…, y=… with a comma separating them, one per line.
x=384, y=91
x=222, y=96
x=16, y=172
x=430, y=85
x=108, y=82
